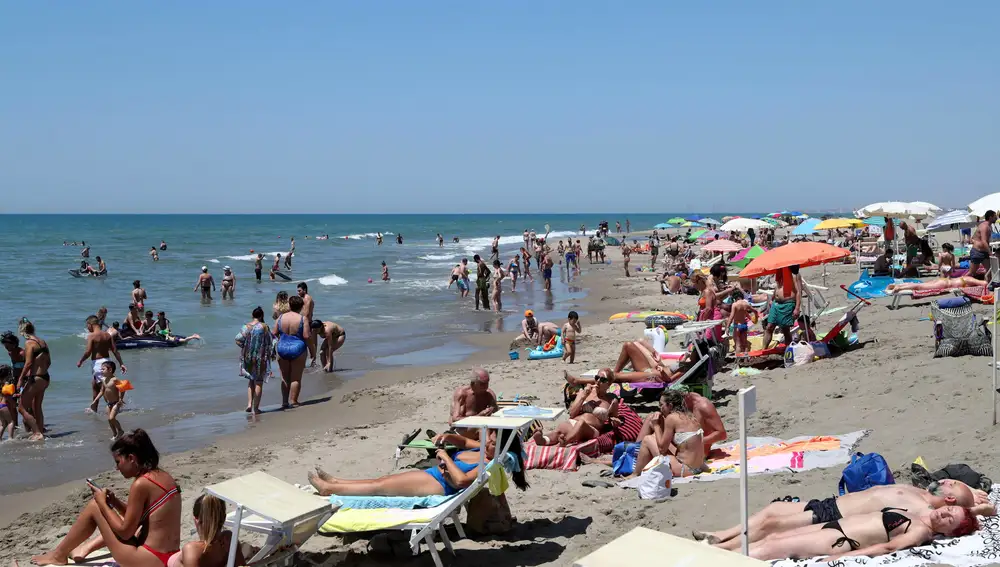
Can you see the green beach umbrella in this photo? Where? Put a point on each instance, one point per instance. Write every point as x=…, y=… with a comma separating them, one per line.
x=770, y=221
x=746, y=259
x=694, y=235
x=677, y=221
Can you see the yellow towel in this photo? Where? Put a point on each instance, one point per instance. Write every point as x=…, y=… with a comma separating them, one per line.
x=349, y=521
x=498, y=482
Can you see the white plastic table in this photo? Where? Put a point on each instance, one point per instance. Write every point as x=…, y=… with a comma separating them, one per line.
x=643, y=546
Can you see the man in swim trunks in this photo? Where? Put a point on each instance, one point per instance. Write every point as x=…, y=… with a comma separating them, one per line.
x=308, y=308
x=980, y=252
x=785, y=307
x=569, y=334
x=206, y=283
x=546, y=265
x=782, y=516
x=334, y=337
x=474, y=399
x=258, y=266
x=912, y=241
x=495, y=249
x=100, y=347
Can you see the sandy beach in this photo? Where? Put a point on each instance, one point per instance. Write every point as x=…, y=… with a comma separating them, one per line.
x=914, y=404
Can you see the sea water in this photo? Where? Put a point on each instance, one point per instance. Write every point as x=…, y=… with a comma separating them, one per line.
x=186, y=396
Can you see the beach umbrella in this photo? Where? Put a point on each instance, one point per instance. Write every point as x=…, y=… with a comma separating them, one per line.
x=806, y=228
x=723, y=246
x=945, y=221
x=875, y=221
x=742, y=225
x=692, y=218
x=746, y=255
x=929, y=206
x=790, y=213
x=694, y=235
x=803, y=254
x=710, y=234
x=803, y=216
x=663, y=225
x=690, y=224
x=774, y=215
x=709, y=220
x=839, y=223
x=676, y=221
x=990, y=202
x=895, y=210
x=774, y=222
x=729, y=218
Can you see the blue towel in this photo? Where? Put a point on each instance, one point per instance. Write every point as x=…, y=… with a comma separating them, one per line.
x=527, y=411
x=398, y=502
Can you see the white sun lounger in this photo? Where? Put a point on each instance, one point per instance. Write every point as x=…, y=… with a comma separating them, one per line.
x=267, y=505
x=645, y=546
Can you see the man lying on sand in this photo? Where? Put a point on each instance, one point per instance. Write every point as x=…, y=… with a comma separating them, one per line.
x=473, y=399
x=938, y=284
x=785, y=516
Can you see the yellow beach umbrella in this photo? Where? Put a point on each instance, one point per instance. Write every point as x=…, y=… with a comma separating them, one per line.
x=830, y=224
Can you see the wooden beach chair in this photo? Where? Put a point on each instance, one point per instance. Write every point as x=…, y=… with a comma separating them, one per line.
x=645, y=546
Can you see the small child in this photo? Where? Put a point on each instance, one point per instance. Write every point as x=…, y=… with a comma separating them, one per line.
x=569, y=331
x=739, y=318
x=112, y=389
x=8, y=404
x=385, y=272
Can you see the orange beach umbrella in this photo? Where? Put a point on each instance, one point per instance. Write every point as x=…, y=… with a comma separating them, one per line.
x=801, y=254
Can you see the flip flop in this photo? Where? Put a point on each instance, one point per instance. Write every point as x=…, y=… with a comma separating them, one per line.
x=410, y=437
x=597, y=484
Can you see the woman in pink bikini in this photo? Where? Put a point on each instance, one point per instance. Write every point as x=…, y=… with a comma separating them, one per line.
x=142, y=532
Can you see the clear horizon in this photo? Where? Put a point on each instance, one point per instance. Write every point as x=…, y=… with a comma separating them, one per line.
x=390, y=108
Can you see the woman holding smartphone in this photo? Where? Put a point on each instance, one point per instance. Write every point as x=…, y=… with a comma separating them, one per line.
x=141, y=532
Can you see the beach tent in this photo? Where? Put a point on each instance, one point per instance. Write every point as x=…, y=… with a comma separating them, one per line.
x=676, y=221
x=746, y=255
x=945, y=221
x=709, y=220
x=806, y=228
x=663, y=226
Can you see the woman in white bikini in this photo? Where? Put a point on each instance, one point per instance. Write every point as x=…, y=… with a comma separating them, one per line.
x=677, y=436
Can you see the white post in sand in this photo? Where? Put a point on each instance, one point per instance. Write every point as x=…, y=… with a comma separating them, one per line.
x=994, y=275
x=748, y=406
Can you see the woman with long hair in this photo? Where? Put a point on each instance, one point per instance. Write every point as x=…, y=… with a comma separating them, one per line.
x=677, y=436
x=212, y=547
x=292, y=332
x=255, y=343
x=143, y=531
x=34, y=379
x=280, y=306
x=454, y=472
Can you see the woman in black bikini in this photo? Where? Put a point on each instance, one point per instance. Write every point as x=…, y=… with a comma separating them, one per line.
x=883, y=532
x=142, y=532
x=34, y=379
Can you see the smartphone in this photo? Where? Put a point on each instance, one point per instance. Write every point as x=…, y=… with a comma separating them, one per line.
x=91, y=482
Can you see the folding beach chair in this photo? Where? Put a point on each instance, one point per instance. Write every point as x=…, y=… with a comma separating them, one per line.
x=267, y=505
x=643, y=546
x=869, y=249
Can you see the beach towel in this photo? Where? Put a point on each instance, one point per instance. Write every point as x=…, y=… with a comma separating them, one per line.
x=399, y=502
x=554, y=457
x=769, y=455
x=974, y=292
x=980, y=548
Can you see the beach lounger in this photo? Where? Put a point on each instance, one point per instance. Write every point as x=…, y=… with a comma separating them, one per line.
x=269, y=506
x=643, y=546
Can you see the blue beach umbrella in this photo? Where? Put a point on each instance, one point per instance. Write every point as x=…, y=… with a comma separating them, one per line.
x=875, y=221
x=709, y=220
x=663, y=225
x=806, y=228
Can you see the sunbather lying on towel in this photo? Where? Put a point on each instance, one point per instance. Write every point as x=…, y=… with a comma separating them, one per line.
x=454, y=471
x=785, y=516
x=938, y=284
x=590, y=414
x=677, y=437
x=878, y=533
x=646, y=366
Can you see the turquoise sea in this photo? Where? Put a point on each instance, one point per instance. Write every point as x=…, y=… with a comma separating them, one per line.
x=187, y=395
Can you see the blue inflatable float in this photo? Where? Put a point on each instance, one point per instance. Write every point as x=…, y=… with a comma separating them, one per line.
x=538, y=353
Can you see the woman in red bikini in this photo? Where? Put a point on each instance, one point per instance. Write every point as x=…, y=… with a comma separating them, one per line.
x=142, y=532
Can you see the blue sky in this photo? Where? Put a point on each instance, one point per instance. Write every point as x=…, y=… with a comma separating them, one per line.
x=513, y=106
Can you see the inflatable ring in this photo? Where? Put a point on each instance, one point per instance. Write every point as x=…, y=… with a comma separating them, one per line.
x=666, y=321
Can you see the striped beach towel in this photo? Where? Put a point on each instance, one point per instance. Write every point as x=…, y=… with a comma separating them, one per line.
x=976, y=292
x=554, y=457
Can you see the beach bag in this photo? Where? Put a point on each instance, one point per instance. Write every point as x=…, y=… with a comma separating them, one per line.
x=654, y=484
x=797, y=354
x=864, y=472
x=623, y=458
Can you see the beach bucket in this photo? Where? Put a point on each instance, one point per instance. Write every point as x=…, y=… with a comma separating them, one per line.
x=514, y=355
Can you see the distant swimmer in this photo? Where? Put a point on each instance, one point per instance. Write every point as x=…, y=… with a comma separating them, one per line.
x=258, y=266
x=454, y=239
x=378, y=238
x=163, y=245
x=440, y=240
x=288, y=257
x=399, y=239
x=206, y=283
x=276, y=266
x=334, y=337
x=100, y=348
x=385, y=272
x=228, y=282
x=85, y=253
x=138, y=295
x=154, y=254
x=102, y=268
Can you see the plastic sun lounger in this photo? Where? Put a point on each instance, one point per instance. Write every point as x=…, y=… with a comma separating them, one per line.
x=267, y=505
x=898, y=295
x=646, y=546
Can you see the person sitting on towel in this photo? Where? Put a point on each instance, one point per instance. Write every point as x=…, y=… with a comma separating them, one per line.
x=454, y=472
x=713, y=430
x=786, y=516
x=886, y=531
x=939, y=284
x=678, y=438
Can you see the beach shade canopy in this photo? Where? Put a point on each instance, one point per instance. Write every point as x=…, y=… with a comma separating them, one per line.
x=875, y=221
x=802, y=254
x=708, y=220
x=990, y=202
x=694, y=235
x=663, y=225
x=945, y=221
x=831, y=224
x=742, y=225
x=723, y=246
x=806, y=228
x=746, y=255
x=676, y=220
x=896, y=210
x=710, y=234
x=691, y=224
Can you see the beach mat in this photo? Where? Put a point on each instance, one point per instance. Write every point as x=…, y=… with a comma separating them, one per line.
x=872, y=287
x=770, y=455
x=556, y=458
x=980, y=548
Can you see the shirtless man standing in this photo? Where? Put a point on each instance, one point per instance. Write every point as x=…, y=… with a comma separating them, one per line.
x=308, y=307
x=258, y=266
x=100, y=347
x=206, y=283
x=785, y=307
x=979, y=254
x=474, y=399
x=781, y=516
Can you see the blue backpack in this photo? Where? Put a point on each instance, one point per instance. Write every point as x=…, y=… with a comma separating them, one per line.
x=865, y=471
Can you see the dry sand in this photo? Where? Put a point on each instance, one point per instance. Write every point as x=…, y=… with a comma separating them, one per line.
x=916, y=406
